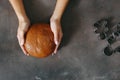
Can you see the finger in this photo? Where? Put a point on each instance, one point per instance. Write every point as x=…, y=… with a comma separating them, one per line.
x=21, y=43
x=59, y=41
x=56, y=48
x=56, y=37
x=23, y=49
x=20, y=37
x=56, y=40
x=55, y=32
x=55, y=51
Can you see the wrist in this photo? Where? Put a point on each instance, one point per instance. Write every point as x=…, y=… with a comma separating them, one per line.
x=55, y=19
x=24, y=20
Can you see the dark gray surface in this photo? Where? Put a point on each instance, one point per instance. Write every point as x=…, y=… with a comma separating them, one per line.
x=81, y=56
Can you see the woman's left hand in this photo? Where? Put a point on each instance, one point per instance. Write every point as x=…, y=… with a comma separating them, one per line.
x=57, y=31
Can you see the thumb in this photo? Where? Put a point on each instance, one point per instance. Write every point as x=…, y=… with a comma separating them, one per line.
x=56, y=38
x=22, y=39
x=22, y=42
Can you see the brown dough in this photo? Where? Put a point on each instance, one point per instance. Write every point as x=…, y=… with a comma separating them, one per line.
x=39, y=40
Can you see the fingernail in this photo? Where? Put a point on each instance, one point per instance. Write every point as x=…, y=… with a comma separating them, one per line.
x=27, y=54
x=56, y=42
x=55, y=51
x=22, y=43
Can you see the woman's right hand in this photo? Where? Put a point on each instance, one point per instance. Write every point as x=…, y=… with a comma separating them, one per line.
x=22, y=29
x=24, y=22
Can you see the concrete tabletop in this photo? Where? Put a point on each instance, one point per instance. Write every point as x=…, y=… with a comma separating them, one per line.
x=80, y=56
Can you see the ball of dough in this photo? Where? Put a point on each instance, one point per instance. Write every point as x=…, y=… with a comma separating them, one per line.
x=39, y=40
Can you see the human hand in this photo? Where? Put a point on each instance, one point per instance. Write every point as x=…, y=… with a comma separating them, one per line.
x=57, y=31
x=22, y=29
